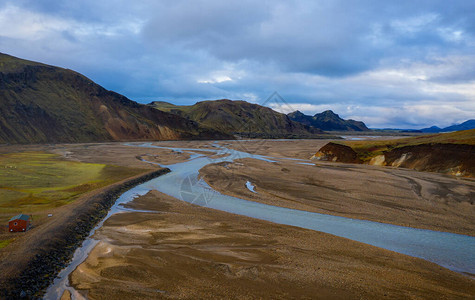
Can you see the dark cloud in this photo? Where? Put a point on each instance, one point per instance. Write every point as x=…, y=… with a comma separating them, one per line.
x=331, y=38
x=390, y=55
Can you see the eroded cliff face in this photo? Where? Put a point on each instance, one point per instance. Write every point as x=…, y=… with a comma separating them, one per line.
x=337, y=153
x=454, y=159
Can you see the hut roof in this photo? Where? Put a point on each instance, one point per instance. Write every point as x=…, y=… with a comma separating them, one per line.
x=20, y=217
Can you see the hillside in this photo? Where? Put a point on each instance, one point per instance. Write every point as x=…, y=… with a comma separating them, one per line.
x=328, y=121
x=46, y=104
x=451, y=153
x=469, y=124
x=240, y=118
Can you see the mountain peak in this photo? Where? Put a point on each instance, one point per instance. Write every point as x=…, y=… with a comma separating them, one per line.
x=469, y=124
x=296, y=113
x=328, y=120
x=328, y=113
x=242, y=118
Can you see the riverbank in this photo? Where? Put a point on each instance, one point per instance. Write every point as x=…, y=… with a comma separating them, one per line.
x=45, y=250
x=187, y=251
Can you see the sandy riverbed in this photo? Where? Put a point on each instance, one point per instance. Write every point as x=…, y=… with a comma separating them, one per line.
x=388, y=195
x=193, y=252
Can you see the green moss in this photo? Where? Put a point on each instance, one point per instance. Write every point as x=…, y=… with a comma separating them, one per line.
x=32, y=181
x=5, y=243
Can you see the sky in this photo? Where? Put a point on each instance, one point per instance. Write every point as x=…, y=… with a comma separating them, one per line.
x=391, y=64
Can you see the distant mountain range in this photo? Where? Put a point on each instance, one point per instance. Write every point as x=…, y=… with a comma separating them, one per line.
x=328, y=121
x=45, y=104
x=470, y=124
x=240, y=118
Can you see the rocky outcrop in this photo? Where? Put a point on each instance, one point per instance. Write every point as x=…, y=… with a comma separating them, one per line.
x=454, y=159
x=336, y=152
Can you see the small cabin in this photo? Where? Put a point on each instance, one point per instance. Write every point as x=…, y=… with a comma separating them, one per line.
x=19, y=223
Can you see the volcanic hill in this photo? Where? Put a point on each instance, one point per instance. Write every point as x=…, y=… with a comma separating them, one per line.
x=241, y=118
x=46, y=104
x=328, y=121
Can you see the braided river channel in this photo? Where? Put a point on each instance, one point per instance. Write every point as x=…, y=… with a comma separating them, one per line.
x=453, y=251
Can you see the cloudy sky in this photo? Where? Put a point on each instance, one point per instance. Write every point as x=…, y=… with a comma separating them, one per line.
x=405, y=64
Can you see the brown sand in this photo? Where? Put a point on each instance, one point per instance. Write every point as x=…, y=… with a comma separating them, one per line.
x=302, y=149
x=388, y=195
x=192, y=252
x=66, y=295
x=122, y=155
x=383, y=194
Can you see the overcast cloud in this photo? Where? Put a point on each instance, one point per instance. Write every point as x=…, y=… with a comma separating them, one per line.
x=405, y=64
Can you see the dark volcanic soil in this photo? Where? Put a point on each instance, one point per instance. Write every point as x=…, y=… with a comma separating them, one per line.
x=443, y=158
x=454, y=159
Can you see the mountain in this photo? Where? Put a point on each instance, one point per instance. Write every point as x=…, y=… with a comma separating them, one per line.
x=328, y=121
x=470, y=124
x=467, y=125
x=432, y=129
x=46, y=104
x=240, y=118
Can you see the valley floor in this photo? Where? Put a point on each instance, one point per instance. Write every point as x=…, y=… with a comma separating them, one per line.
x=186, y=251
x=382, y=194
x=190, y=252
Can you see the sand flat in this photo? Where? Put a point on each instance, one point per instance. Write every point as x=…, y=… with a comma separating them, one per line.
x=382, y=194
x=196, y=252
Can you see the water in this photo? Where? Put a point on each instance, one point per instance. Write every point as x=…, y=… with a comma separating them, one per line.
x=250, y=186
x=61, y=282
x=370, y=137
x=359, y=137
x=452, y=251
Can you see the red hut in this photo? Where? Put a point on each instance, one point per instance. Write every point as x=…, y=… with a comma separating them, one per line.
x=19, y=223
